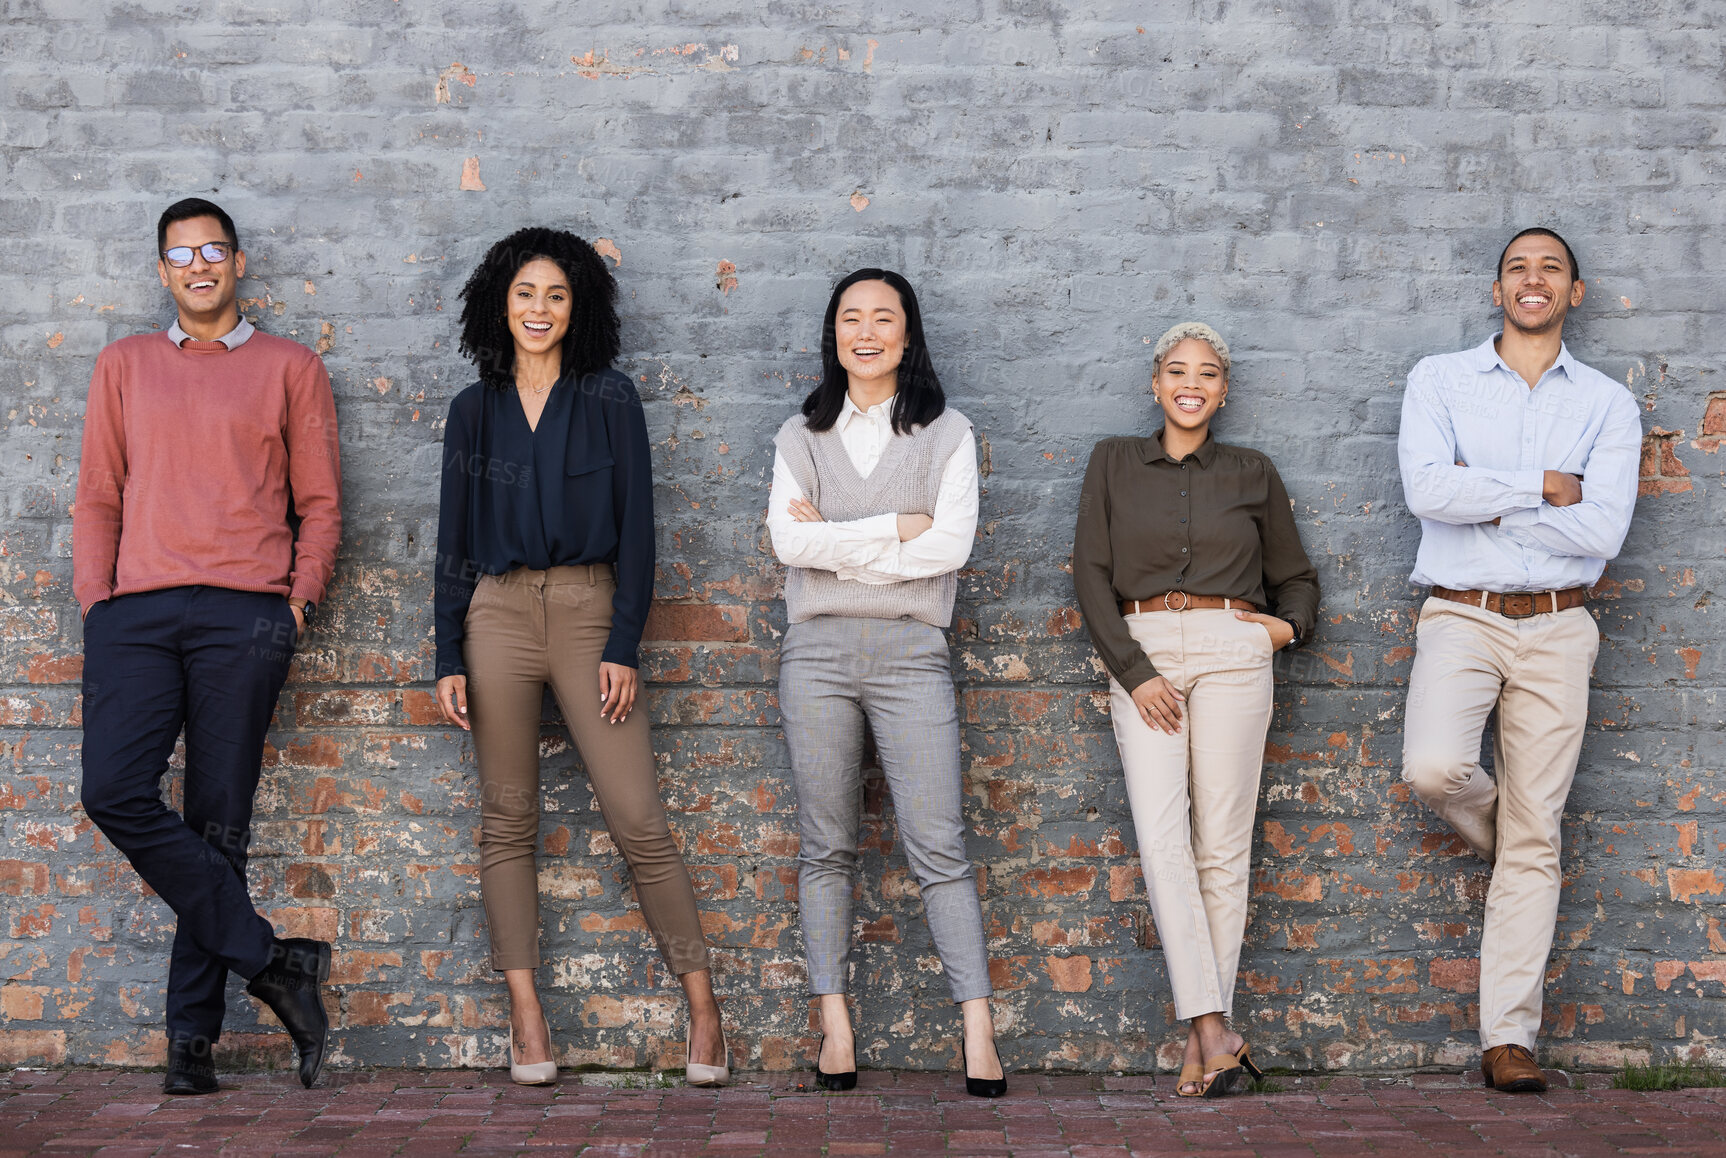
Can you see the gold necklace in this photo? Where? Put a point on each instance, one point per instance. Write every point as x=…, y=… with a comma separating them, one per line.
x=537, y=390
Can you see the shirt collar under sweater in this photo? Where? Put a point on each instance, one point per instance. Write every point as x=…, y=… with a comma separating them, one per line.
x=233, y=339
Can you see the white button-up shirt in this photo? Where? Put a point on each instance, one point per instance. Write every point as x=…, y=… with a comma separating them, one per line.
x=1472, y=408
x=869, y=550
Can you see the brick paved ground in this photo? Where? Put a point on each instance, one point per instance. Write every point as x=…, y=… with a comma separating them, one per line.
x=419, y=1113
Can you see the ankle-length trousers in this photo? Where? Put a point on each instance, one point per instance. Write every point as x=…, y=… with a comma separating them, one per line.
x=836, y=671
x=1535, y=671
x=1194, y=794
x=526, y=629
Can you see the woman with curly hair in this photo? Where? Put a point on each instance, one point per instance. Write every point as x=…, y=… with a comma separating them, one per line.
x=545, y=574
x=874, y=509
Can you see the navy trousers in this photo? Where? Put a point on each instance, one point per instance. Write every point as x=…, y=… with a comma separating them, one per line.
x=211, y=661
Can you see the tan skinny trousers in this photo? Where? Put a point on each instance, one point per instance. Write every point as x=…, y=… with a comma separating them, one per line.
x=1535, y=672
x=526, y=629
x=1194, y=794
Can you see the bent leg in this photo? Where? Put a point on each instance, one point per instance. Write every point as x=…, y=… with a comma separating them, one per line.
x=135, y=701
x=908, y=696
x=1542, y=718
x=1460, y=662
x=818, y=704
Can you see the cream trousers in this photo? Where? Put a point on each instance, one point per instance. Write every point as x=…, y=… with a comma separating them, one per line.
x=1194, y=794
x=1535, y=672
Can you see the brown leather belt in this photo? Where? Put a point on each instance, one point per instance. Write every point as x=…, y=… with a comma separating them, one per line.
x=1517, y=604
x=1182, y=601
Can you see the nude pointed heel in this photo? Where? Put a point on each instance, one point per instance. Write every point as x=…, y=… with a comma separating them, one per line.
x=697, y=1074
x=532, y=1073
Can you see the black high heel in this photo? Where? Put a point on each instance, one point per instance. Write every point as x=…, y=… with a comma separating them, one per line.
x=838, y=1082
x=983, y=1087
x=1244, y=1055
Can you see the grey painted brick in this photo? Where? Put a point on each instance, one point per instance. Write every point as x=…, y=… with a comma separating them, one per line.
x=1327, y=181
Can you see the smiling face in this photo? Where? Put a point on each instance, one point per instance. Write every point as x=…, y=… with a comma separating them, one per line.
x=1190, y=384
x=870, y=330
x=539, y=302
x=1536, y=286
x=204, y=291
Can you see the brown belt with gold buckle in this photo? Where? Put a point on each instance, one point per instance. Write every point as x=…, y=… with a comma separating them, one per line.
x=1517, y=604
x=1182, y=601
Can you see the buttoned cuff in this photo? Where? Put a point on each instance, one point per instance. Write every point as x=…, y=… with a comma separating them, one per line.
x=1529, y=487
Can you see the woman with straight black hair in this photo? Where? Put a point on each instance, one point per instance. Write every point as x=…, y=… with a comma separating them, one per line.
x=545, y=575
x=873, y=509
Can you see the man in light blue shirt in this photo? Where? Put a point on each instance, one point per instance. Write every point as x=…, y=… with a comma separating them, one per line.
x=1521, y=464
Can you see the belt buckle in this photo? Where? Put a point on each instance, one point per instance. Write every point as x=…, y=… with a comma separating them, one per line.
x=1167, y=606
x=1533, y=607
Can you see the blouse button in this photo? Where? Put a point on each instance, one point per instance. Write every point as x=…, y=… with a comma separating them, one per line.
x=1183, y=495
x=1183, y=518
x=1183, y=550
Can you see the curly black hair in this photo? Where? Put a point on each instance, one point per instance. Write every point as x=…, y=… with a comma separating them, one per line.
x=592, y=342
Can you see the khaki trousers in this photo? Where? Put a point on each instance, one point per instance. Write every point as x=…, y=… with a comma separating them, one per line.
x=1535, y=672
x=526, y=629
x=1194, y=794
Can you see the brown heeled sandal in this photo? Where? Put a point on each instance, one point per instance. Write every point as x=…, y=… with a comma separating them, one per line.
x=1191, y=1075
x=1244, y=1055
x=1224, y=1069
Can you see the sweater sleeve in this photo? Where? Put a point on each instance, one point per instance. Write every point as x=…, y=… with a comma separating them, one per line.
x=1094, y=581
x=456, y=573
x=632, y=506
x=315, y=477
x=98, y=506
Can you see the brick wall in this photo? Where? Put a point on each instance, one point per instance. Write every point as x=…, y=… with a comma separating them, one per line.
x=1326, y=181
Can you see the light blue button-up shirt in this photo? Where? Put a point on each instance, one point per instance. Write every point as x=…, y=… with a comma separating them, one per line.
x=1470, y=407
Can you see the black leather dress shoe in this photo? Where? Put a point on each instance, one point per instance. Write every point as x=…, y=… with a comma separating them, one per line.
x=191, y=1070
x=289, y=986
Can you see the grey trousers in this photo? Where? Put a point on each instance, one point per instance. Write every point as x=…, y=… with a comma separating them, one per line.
x=834, y=672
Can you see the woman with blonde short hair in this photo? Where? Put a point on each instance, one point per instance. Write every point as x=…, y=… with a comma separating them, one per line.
x=1190, y=575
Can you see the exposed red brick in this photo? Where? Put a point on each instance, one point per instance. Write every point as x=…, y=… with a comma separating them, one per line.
x=310, y=880
x=1456, y=974
x=1059, y=882
x=20, y=877
x=1068, y=974
x=723, y=623
x=54, y=669
x=1687, y=884
x=1714, y=418
x=20, y=1047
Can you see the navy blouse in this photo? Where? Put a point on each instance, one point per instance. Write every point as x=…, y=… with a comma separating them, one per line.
x=578, y=489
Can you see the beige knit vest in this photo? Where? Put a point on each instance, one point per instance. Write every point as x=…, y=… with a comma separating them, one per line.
x=905, y=481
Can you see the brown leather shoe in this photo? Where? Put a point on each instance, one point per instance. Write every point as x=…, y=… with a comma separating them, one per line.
x=1512, y=1068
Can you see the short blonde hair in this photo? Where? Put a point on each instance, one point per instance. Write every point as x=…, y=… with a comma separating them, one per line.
x=1180, y=332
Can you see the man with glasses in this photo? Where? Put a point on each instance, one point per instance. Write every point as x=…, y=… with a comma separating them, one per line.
x=1521, y=464
x=204, y=533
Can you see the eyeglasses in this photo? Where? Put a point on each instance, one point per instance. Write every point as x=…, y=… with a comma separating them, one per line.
x=215, y=252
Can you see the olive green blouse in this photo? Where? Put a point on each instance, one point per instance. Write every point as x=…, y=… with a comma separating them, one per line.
x=1217, y=522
